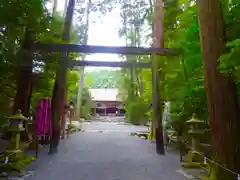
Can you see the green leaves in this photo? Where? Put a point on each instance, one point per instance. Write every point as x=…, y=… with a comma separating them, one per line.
x=183, y=75
x=102, y=79
x=136, y=108
x=45, y=79
x=229, y=62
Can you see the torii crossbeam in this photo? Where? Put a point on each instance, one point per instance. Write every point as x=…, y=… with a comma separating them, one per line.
x=121, y=64
x=88, y=49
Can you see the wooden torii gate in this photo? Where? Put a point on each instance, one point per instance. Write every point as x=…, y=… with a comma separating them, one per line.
x=67, y=48
x=68, y=63
x=60, y=83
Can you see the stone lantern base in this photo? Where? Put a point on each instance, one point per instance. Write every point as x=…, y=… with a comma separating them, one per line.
x=15, y=145
x=193, y=160
x=192, y=156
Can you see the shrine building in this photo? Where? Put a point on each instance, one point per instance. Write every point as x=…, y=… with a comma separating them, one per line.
x=106, y=102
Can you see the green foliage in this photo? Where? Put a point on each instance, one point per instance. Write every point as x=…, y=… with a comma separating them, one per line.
x=229, y=62
x=72, y=84
x=45, y=75
x=16, y=17
x=33, y=17
x=136, y=109
x=132, y=83
x=86, y=104
x=16, y=164
x=102, y=79
x=181, y=76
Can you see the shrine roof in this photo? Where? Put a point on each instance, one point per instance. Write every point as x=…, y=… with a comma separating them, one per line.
x=104, y=94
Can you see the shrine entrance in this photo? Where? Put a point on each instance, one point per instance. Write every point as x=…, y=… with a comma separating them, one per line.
x=105, y=108
x=67, y=62
x=60, y=87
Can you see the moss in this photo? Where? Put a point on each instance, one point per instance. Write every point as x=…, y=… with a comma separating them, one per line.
x=192, y=156
x=212, y=174
x=151, y=135
x=218, y=173
x=73, y=128
x=16, y=164
x=196, y=165
x=9, y=167
x=26, y=161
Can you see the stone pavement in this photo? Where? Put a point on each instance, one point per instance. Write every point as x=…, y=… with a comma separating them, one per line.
x=105, y=156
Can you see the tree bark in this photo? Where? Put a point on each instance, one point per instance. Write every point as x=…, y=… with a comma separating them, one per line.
x=60, y=83
x=158, y=42
x=24, y=84
x=223, y=107
x=157, y=109
x=23, y=95
x=82, y=69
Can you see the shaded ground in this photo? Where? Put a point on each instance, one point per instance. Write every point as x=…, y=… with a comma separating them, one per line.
x=91, y=155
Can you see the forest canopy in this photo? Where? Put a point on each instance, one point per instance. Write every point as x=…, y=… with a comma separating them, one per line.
x=98, y=79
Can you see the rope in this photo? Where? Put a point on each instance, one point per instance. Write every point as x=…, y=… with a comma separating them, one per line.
x=216, y=163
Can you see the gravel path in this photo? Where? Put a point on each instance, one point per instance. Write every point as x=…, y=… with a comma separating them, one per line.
x=105, y=156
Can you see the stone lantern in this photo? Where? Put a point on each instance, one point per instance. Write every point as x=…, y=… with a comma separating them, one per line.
x=16, y=126
x=195, y=130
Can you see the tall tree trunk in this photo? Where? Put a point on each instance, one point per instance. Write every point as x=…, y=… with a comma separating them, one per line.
x=158, y=17
x=138, y=84
x=138, y=77
x=132, y=80
x=60, y=83
x=223, y=108
x=132, y=58
x=24, y=84
x=81, y=71
x=23, y=95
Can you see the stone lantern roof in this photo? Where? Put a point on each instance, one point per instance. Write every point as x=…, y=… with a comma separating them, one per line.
x=194, y=120
x=18, y=115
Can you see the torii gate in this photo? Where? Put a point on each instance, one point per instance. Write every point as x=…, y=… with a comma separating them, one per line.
x=60, y=83
x=69, y=63
x=67, y=48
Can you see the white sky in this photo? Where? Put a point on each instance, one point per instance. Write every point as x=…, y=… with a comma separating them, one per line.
x=103, y=32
